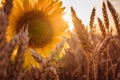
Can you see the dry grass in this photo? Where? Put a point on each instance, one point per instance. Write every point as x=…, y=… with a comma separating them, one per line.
x=90, y=57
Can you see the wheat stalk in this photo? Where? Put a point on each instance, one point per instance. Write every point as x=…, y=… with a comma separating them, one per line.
x=3, y=24
x=92, y=18
x=115, y=16
x=105, y=16
x=3, y=65
x=45, y=66
x=81, y=31
x=8, y=50
x=102, y=28
x=7, y=6
x=19, y=59
x=103, y=45
x=37, y=57
x=48, y=64
x=6, y=53
x=84, y=38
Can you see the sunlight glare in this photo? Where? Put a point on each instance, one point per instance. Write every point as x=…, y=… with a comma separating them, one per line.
x=83, y=9
x=0, y=3
x=67, y=17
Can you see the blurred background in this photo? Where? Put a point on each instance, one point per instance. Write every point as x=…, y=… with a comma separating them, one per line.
x=83, y=9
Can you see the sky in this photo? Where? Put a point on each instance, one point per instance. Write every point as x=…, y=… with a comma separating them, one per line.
x=83, y=8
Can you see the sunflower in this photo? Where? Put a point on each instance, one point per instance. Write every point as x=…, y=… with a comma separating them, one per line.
x=45, y=23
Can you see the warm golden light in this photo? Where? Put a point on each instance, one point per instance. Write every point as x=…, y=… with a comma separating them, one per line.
x=83, y=9
x=0, y=3
x=67, y=17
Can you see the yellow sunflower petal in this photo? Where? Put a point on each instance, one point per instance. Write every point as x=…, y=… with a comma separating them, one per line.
x=29, y=60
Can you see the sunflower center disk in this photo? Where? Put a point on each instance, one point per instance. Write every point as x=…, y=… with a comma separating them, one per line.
x=39, y=28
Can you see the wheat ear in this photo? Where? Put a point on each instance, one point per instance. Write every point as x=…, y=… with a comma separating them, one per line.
x=92, y=18
x=7, y=6
x=19, y=59
x=81, y=31
x=115, y=16
x=102, y=28
x=105, y=16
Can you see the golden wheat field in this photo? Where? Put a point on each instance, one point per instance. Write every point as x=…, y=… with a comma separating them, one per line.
x=36, y=43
